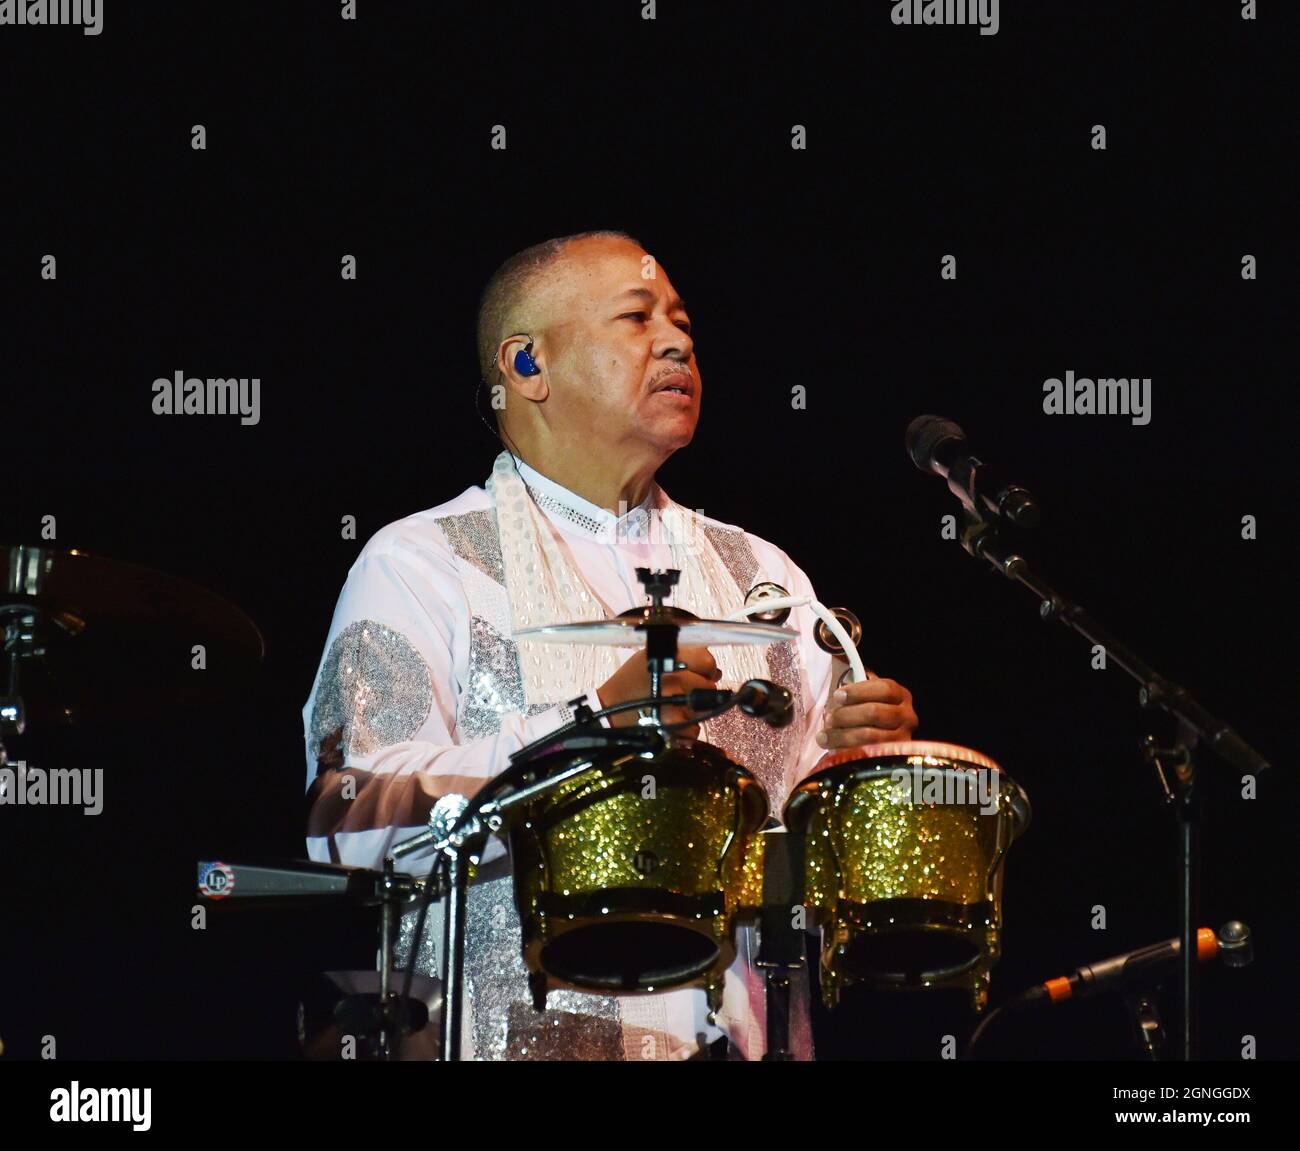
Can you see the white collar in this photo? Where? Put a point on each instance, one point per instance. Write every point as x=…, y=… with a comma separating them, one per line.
x=581, y=515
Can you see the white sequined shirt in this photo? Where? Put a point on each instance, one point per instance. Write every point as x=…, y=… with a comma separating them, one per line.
x=416, y=697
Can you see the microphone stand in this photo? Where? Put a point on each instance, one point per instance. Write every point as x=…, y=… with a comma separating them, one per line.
x=1198, y=732
x=780, y=942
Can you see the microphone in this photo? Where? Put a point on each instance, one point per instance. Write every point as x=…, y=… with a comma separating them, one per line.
x=1121, y=971
x=939, y=446
x=761, y=698
x=767, y=700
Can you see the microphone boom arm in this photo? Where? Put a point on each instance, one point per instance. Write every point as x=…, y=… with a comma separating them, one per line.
x=980, y=539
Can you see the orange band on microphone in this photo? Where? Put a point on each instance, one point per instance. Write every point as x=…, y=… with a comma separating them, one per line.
x=1207, y=944
x=1058, y=989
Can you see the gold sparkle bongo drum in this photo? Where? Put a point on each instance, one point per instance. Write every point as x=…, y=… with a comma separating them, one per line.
x=905, y=846
x=632, y=875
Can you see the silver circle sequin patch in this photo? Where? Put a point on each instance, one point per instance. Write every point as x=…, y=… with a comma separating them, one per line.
x=375, y=689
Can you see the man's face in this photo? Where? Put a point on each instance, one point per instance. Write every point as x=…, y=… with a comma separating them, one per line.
x=619, y=357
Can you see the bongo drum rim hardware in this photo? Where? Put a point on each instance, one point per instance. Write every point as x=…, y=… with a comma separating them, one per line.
x=698, y=915
x=977, y=923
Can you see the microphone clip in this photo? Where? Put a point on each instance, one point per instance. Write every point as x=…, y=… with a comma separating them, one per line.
x=982, y=491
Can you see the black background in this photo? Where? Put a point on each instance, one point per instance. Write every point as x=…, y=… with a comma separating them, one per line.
x=817, y=267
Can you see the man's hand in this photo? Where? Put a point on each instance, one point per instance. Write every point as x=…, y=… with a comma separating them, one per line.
x=632, y=681
x=870, y=711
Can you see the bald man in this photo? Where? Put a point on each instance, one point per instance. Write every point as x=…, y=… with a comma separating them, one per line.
x=424, y=689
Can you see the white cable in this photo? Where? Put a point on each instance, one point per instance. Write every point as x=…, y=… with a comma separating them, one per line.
x=822, y=612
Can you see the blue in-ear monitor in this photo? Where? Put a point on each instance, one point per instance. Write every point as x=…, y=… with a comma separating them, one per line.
x=524, y=363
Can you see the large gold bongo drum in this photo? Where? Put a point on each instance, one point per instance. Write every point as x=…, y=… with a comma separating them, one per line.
x=905, y=845
x=631, y=875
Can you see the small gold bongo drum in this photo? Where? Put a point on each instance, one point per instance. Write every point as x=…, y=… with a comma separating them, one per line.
x=632, y=875
x=905, y=846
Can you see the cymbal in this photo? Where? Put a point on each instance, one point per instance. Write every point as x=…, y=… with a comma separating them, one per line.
x=628, y=630
x=90, y=630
